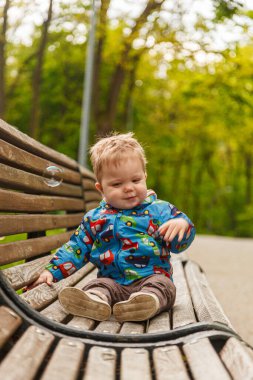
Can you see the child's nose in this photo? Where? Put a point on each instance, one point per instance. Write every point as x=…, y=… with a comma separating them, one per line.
x=128, y=187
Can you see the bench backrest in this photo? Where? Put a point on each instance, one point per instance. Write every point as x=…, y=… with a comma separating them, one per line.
x=37, y=217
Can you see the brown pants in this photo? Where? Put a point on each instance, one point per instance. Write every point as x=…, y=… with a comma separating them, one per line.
x=156, y=284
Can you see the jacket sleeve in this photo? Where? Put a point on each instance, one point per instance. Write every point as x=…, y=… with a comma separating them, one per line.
x=74, y=254
x=169, y=212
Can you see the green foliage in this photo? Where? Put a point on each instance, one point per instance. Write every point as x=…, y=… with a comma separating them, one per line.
x=194, y=119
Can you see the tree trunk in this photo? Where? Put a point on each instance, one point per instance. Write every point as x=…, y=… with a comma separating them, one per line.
x=36, y=82
x=248, y=175
x=101, y=32
x=106, y=125
x=3, y=59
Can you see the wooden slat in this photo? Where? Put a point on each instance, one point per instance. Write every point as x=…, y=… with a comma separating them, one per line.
x=21, y=159
x=11, y=252
x=16, y=224
x=135, y=364
x=169, y=364
x=86, y=173
x=18, y=202
x=24, y=274
x=88, y=184
x=101, y=364
x=132, y=328
x=81, y=323
x=10, y=321
x=25, y=358
x=237, y=359
x=110, y=326
x=17, y=138
x=160, y=323
x=182, y=313
x=66, y=361
x=204, y=301
x=31, y=183
x=43, y=295
x=203, y=361
x=92, y=196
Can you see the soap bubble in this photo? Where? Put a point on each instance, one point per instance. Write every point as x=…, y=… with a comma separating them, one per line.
x=53, y=176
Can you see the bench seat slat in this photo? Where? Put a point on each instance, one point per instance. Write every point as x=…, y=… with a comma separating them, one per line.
x=203, y=361
x=169, y=364
x=92, y=196
x=81, y=323
x=135, y=364
x=110, y=326
x=31, y=183
x=16, y=224
x=21, y=159
x=159, y=323
x=183, y=313
x=237, y=359
x=101, y=364
x=10, y=321
x=24, y=274
x=25, y=358
x=18, y=202
x=25, y=249
x=65, y=361
x=205, y=304
x=90, y=205
x=88, y=184
x=133, y=328
x=43, y=295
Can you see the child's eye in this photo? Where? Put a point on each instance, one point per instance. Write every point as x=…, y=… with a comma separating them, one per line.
x=116, y=184
x=136, y=180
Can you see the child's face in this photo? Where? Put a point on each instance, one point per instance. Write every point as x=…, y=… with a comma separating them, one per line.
x=124, y=185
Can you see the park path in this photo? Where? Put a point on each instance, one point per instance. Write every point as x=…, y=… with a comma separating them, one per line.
x=228, y=264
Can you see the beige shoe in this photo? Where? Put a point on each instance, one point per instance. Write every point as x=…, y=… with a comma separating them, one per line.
x=139, y=307
x=81, y=303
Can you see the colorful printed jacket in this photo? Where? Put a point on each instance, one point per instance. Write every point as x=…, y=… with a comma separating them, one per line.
x=123, y=244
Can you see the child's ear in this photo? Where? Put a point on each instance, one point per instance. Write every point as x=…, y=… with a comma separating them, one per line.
x=98, y=186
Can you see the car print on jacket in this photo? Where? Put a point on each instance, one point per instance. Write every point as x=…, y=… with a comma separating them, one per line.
x=123, y=244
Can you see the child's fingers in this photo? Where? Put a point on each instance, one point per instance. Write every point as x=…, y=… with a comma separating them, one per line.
x=171, y=233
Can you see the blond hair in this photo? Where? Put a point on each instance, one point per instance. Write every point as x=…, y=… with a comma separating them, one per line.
x=113, y=149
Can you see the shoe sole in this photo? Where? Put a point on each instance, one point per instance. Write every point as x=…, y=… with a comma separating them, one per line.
x=139, y=308
x=76, y=302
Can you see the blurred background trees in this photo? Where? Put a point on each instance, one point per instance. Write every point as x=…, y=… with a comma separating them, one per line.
x=177, y=73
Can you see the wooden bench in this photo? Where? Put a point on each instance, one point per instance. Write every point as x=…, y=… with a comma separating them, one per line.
x=39, y=340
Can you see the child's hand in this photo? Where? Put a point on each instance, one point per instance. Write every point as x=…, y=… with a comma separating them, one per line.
x=45, y=276
x=169, y=230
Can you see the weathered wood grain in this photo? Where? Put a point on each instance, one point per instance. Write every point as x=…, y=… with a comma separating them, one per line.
x=203, y=361
x=132, y=328
x=66, y=361
x=25, y=358
x=101, y=364
x=169, y=364
x=205, y=304
x=237, y=359
x=10, y=321
x=18, y=202
x=135, y=364
x=43, y=295
x=159, y=323
x=11, y=252
x=16, y=224
x=23, y=141
x=17, y=179
x=182, y=313
x=24, y=274
x=19, y=158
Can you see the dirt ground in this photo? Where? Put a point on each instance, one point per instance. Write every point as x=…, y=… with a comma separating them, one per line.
x=228, y=264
